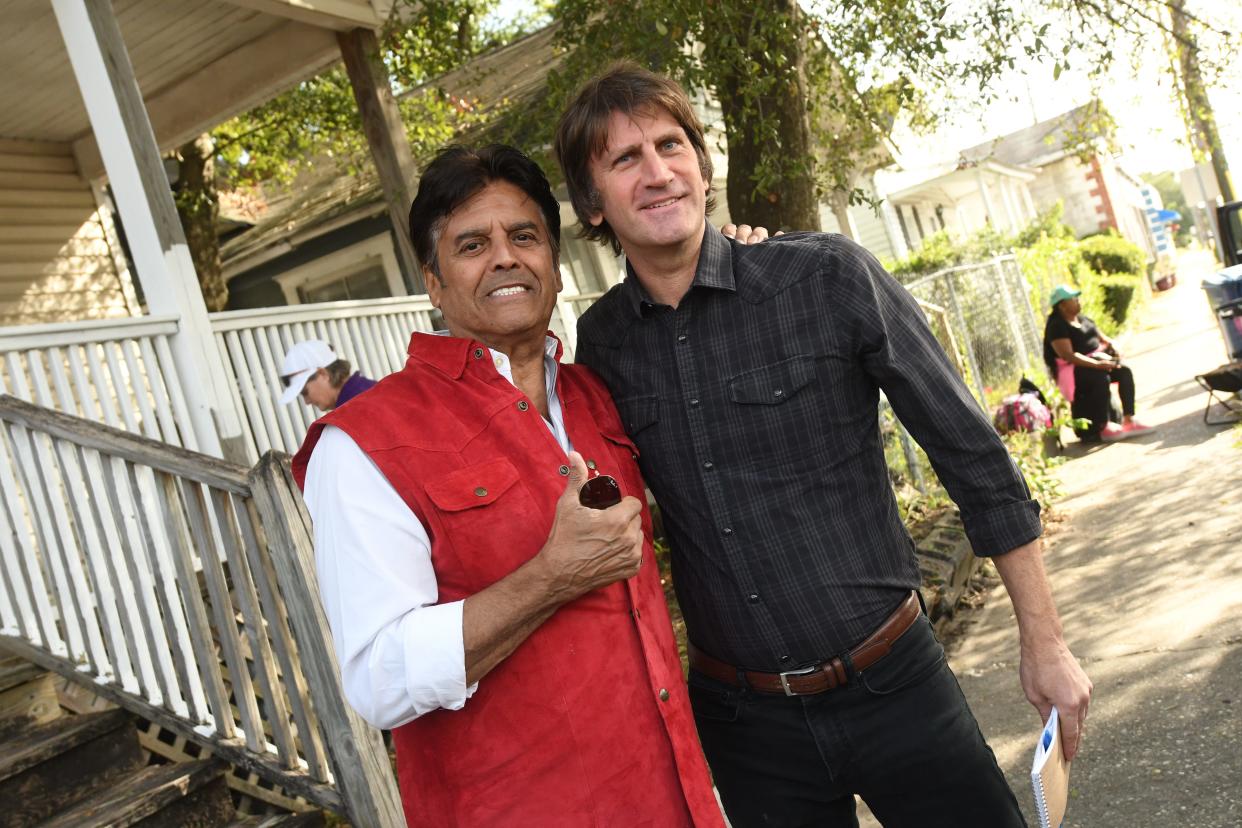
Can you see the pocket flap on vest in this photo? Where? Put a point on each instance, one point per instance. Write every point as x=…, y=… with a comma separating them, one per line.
x=473, y=486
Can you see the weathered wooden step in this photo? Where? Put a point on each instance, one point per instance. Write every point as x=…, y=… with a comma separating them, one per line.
x=185, y=795
x=310, y=819
x=27, y=697
x=49, y=766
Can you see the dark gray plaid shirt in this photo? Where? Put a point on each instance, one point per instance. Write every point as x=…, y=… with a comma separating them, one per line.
x=754, y=407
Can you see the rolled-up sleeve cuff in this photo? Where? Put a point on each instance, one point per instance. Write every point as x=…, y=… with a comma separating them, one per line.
x=435, y=658
x=1002, y=528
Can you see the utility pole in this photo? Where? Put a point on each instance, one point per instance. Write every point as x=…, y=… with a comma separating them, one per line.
x=1200, y=120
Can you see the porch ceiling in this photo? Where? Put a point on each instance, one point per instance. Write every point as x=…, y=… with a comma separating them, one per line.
x=198, y=62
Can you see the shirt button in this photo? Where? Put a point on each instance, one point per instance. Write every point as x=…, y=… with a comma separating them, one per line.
x=564, y=470
x=727, y=532
x=707, y=464
x=784, y=659
x=523, y=405
x=681, y=337
x=478, y=353
x=694, y=402
x=778, y=392
x=663, y=694
x=753, y=597
x=481, y=492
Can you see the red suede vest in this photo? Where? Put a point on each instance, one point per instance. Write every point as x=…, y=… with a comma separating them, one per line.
x=587, y=723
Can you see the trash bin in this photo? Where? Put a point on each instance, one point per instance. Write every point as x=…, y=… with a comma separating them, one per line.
x=1224, y=294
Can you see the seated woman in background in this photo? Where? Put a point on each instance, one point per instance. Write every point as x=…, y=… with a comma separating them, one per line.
x=1084, y=362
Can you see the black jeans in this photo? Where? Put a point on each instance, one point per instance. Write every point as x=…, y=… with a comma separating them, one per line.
x=900, y=736
x=1091, y=395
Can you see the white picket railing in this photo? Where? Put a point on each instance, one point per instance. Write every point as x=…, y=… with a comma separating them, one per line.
x=120, y=372
x=182, y=588
x=116, y=371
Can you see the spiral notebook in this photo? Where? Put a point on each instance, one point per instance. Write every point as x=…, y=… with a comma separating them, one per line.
x=1050, y=775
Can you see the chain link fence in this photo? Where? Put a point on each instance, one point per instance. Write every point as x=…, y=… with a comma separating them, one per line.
x=982, y=315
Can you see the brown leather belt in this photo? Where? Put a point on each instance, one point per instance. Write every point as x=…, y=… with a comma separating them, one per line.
x=819, y=677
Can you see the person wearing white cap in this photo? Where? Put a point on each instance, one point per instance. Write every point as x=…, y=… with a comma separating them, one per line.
x=313, y=370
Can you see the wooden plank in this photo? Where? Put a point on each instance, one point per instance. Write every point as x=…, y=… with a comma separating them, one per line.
x=141, y=673
x=390, y=149
x=30, y=180
x=168, y=595
x=115, y=442
x=359, y=760
x=180, y=413
x=212, y=558
x=14, y=146
x=161, y=396
x=276, y=614
x=21, y=562
x=260, y=645
x=256, y=420
x=101, y=330
x=120, y=668
x=332, y=14
x=169, y=502
x=148, y=628
x=59, y=199
x=232, y=751
x=33, y=700
x=51, y=216
x=12, y=162
x=68, y=543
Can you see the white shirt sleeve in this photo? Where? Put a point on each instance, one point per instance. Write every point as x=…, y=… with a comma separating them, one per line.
x=401, y=653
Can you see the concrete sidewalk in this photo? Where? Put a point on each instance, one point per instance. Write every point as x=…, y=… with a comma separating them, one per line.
x=1145, y=557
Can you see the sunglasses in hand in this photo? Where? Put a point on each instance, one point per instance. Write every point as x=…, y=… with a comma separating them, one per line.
x=599, y=492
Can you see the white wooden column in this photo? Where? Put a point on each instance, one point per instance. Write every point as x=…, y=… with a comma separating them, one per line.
x=987, y=199
x=132, y=160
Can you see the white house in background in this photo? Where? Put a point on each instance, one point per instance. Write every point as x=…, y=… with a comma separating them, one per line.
x=1082, y=173
x=963, y=200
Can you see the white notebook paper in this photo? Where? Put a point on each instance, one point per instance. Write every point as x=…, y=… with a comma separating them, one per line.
x=1050, y=774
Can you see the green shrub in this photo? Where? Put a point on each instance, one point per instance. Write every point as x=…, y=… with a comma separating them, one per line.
x=1118, y=292
x=1112, y=254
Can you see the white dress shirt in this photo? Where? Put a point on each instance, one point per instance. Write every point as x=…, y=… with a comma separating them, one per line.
x=401, y=653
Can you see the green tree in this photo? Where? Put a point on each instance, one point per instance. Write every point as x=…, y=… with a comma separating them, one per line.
x=808, y=91
x=318, y=121
x=1198, y=41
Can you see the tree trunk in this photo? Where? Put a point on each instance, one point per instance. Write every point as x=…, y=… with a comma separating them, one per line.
x=790, y=202
x=198, y=205
x=1201, y=120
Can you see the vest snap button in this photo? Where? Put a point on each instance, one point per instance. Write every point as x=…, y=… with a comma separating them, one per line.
x=481, y=492
x=564, y=470
x=478, y=353
x=590, y=464
x=663, y=694
x=523, y=405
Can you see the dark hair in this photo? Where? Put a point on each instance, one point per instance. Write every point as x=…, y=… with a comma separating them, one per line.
x=458, y=174
x=582, y=133
x=338, y=372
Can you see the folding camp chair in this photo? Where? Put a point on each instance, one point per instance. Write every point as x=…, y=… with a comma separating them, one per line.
x=1225, y=380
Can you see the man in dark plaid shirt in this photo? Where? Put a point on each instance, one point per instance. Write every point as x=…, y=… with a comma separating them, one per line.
x=748, y=378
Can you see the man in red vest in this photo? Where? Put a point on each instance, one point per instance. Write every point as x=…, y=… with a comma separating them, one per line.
x=516, y=642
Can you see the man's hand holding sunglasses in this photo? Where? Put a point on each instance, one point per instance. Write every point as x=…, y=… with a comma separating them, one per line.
x=590, y=547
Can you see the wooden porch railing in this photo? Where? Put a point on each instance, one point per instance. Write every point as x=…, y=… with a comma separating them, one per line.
x=120, y=372
x=182, y=588
x=116, y=371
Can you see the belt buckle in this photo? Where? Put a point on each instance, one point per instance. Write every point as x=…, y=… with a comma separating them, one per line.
x=805, y=671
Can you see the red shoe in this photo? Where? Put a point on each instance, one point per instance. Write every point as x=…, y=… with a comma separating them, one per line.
x=1112, y=432
x=1134, y=428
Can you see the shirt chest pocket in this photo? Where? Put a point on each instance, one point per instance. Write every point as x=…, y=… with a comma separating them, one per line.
x=772, y=418
x=488, y=518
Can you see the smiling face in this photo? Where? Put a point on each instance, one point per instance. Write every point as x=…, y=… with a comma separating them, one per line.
x=498, y=275
x=650, y=184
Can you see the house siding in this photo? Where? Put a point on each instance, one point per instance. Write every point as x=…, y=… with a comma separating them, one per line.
x=58, y=251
